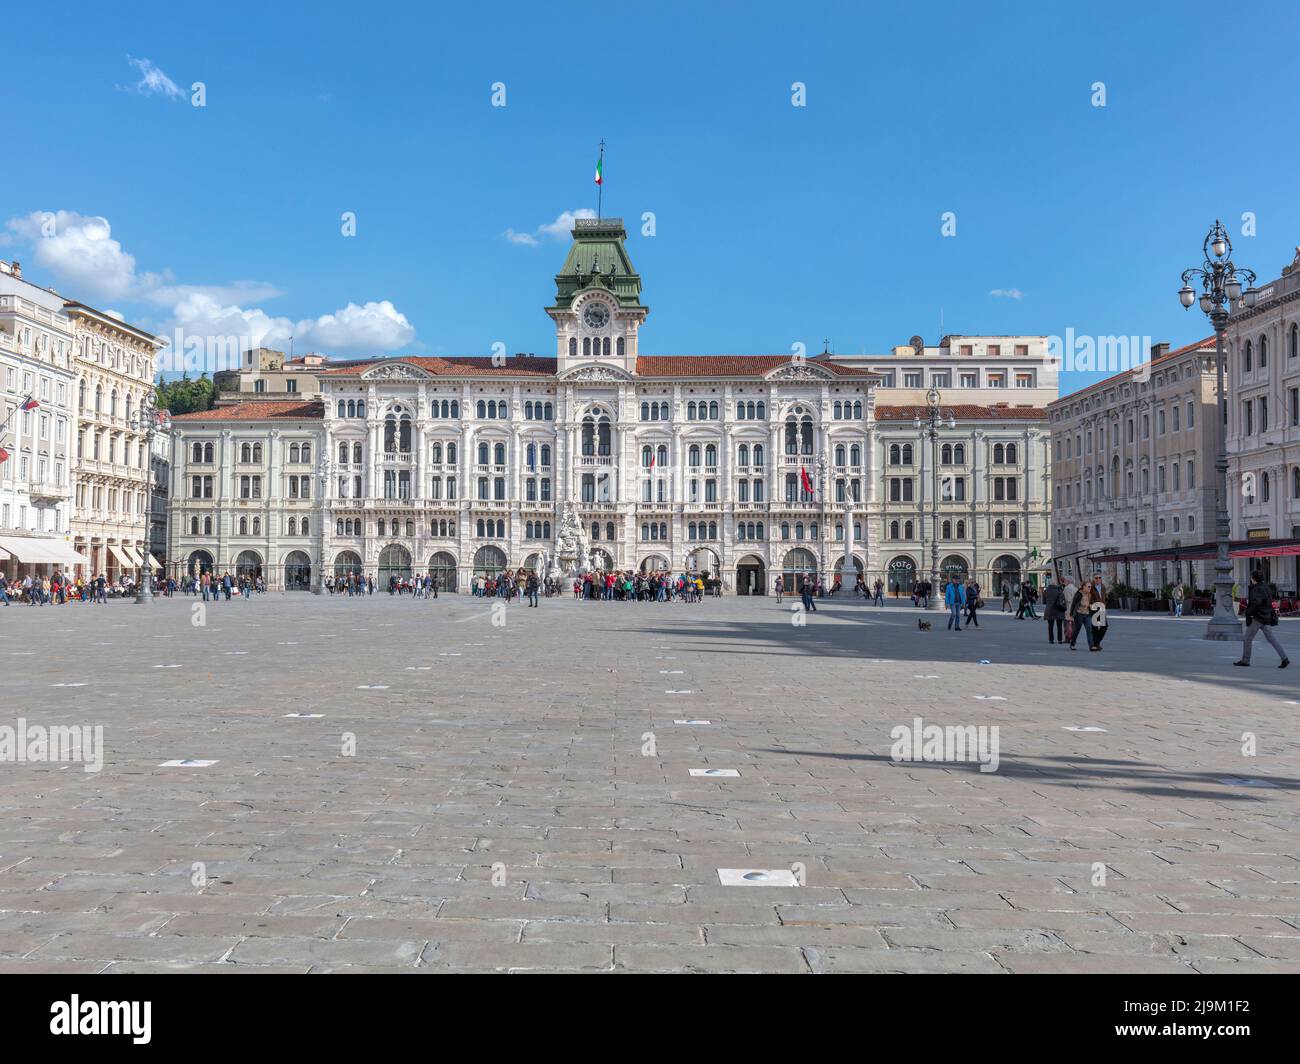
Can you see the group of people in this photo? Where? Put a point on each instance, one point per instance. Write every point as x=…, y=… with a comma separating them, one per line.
x=1070, y=609
x=60, y=588
x=212, y=588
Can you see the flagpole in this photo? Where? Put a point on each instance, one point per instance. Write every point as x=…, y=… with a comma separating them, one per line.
x=600, y=188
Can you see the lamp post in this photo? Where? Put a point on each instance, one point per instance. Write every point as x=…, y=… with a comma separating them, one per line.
x=148, y=419
x=1221, y=288
x=931, y=424
x=325, y=468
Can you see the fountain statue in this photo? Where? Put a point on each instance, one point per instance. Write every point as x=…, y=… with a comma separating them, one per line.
x=571, y=556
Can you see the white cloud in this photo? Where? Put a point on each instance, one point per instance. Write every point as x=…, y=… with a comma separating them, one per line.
x=79, y=250
x=81, y=254
x=1007, y=293
x=153, y=82
x=373, y=326
x=550, y=231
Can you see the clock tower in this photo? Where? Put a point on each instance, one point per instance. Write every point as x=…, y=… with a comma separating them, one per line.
x=597, y=311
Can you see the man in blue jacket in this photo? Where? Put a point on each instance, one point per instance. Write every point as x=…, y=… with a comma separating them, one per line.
x=954, y=596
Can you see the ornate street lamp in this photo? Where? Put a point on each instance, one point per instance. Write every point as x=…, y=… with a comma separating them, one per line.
x=147, y=420
x=1221, y=289
x=931, y=424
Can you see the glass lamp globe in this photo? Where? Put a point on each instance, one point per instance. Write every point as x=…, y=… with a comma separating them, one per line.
x=1186, y=295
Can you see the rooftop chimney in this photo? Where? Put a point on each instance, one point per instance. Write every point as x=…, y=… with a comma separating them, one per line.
x=16, y=267
x=1157, y=350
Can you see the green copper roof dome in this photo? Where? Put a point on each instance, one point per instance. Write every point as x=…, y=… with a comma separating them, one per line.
x=598, y=259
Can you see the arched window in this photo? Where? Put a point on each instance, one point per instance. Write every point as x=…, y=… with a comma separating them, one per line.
x=945, y=454
x=999, y=454
x=839, y=454
x=243, y=526
x=573, y=347
x=713, y=410
x=1013, y=529
x=742, y=455
x=907, y=529
x=499, y=454
x=997, y=530
x=961, y=529
x=546, y=455
x=484, y=453
x=907, y=454
x=207, y=526
x=194, y=522
x=481, y=408
x=1011, y=454
x=197, y=453
x=758, y=454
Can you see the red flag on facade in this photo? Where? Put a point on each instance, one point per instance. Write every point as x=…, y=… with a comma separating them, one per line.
x=805, y=479
x=4, y=456
x=30, y=404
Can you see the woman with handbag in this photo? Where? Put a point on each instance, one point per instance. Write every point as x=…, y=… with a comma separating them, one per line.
x=973, y=602
x=1260, y=617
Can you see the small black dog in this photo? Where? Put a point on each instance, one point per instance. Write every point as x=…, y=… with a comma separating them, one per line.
x=923, y=625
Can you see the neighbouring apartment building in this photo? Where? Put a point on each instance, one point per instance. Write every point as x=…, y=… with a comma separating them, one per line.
x=1133, y=470
x=1263, y=354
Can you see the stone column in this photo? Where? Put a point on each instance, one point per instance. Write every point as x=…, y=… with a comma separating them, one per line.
x=848, y=571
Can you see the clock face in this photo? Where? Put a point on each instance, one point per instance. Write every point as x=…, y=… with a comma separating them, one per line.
x=596, y=315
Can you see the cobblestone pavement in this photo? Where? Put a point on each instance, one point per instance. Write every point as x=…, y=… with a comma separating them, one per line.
x=521, y=796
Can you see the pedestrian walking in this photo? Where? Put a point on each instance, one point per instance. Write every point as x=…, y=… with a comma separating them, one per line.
x=954, y=597
x=1260, y=617
x=1055, y=608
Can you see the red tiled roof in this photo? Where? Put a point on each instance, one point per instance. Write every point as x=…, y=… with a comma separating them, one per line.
x=514, y=366
x=256, y=412
x=963, y=412
x=1207, y=342
x=730, y=366
x=653, y=366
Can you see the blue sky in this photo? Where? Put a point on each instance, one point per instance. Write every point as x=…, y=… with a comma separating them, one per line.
x=775, y=224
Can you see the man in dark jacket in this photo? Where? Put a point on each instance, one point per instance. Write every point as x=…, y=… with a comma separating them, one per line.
x=1260, y=618
x=1054, y=607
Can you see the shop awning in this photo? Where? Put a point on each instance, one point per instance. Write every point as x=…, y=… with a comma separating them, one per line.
x=120, y=554
x=153, y=562
x=133, y=554
x=41, y=551
x=1198, y=552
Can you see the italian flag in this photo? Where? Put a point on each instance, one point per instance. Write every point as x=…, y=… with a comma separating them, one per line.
x=600, y=165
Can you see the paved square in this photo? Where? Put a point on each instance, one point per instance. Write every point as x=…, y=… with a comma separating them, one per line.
x=402, y=785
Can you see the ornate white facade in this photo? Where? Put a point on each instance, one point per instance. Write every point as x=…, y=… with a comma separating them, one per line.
x=464, y=466
x=36, y=479
x=115, y=373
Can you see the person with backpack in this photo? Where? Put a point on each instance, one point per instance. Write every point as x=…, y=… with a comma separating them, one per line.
x=1260, y=617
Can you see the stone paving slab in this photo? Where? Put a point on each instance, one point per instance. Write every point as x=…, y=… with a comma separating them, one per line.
x=519, y=798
